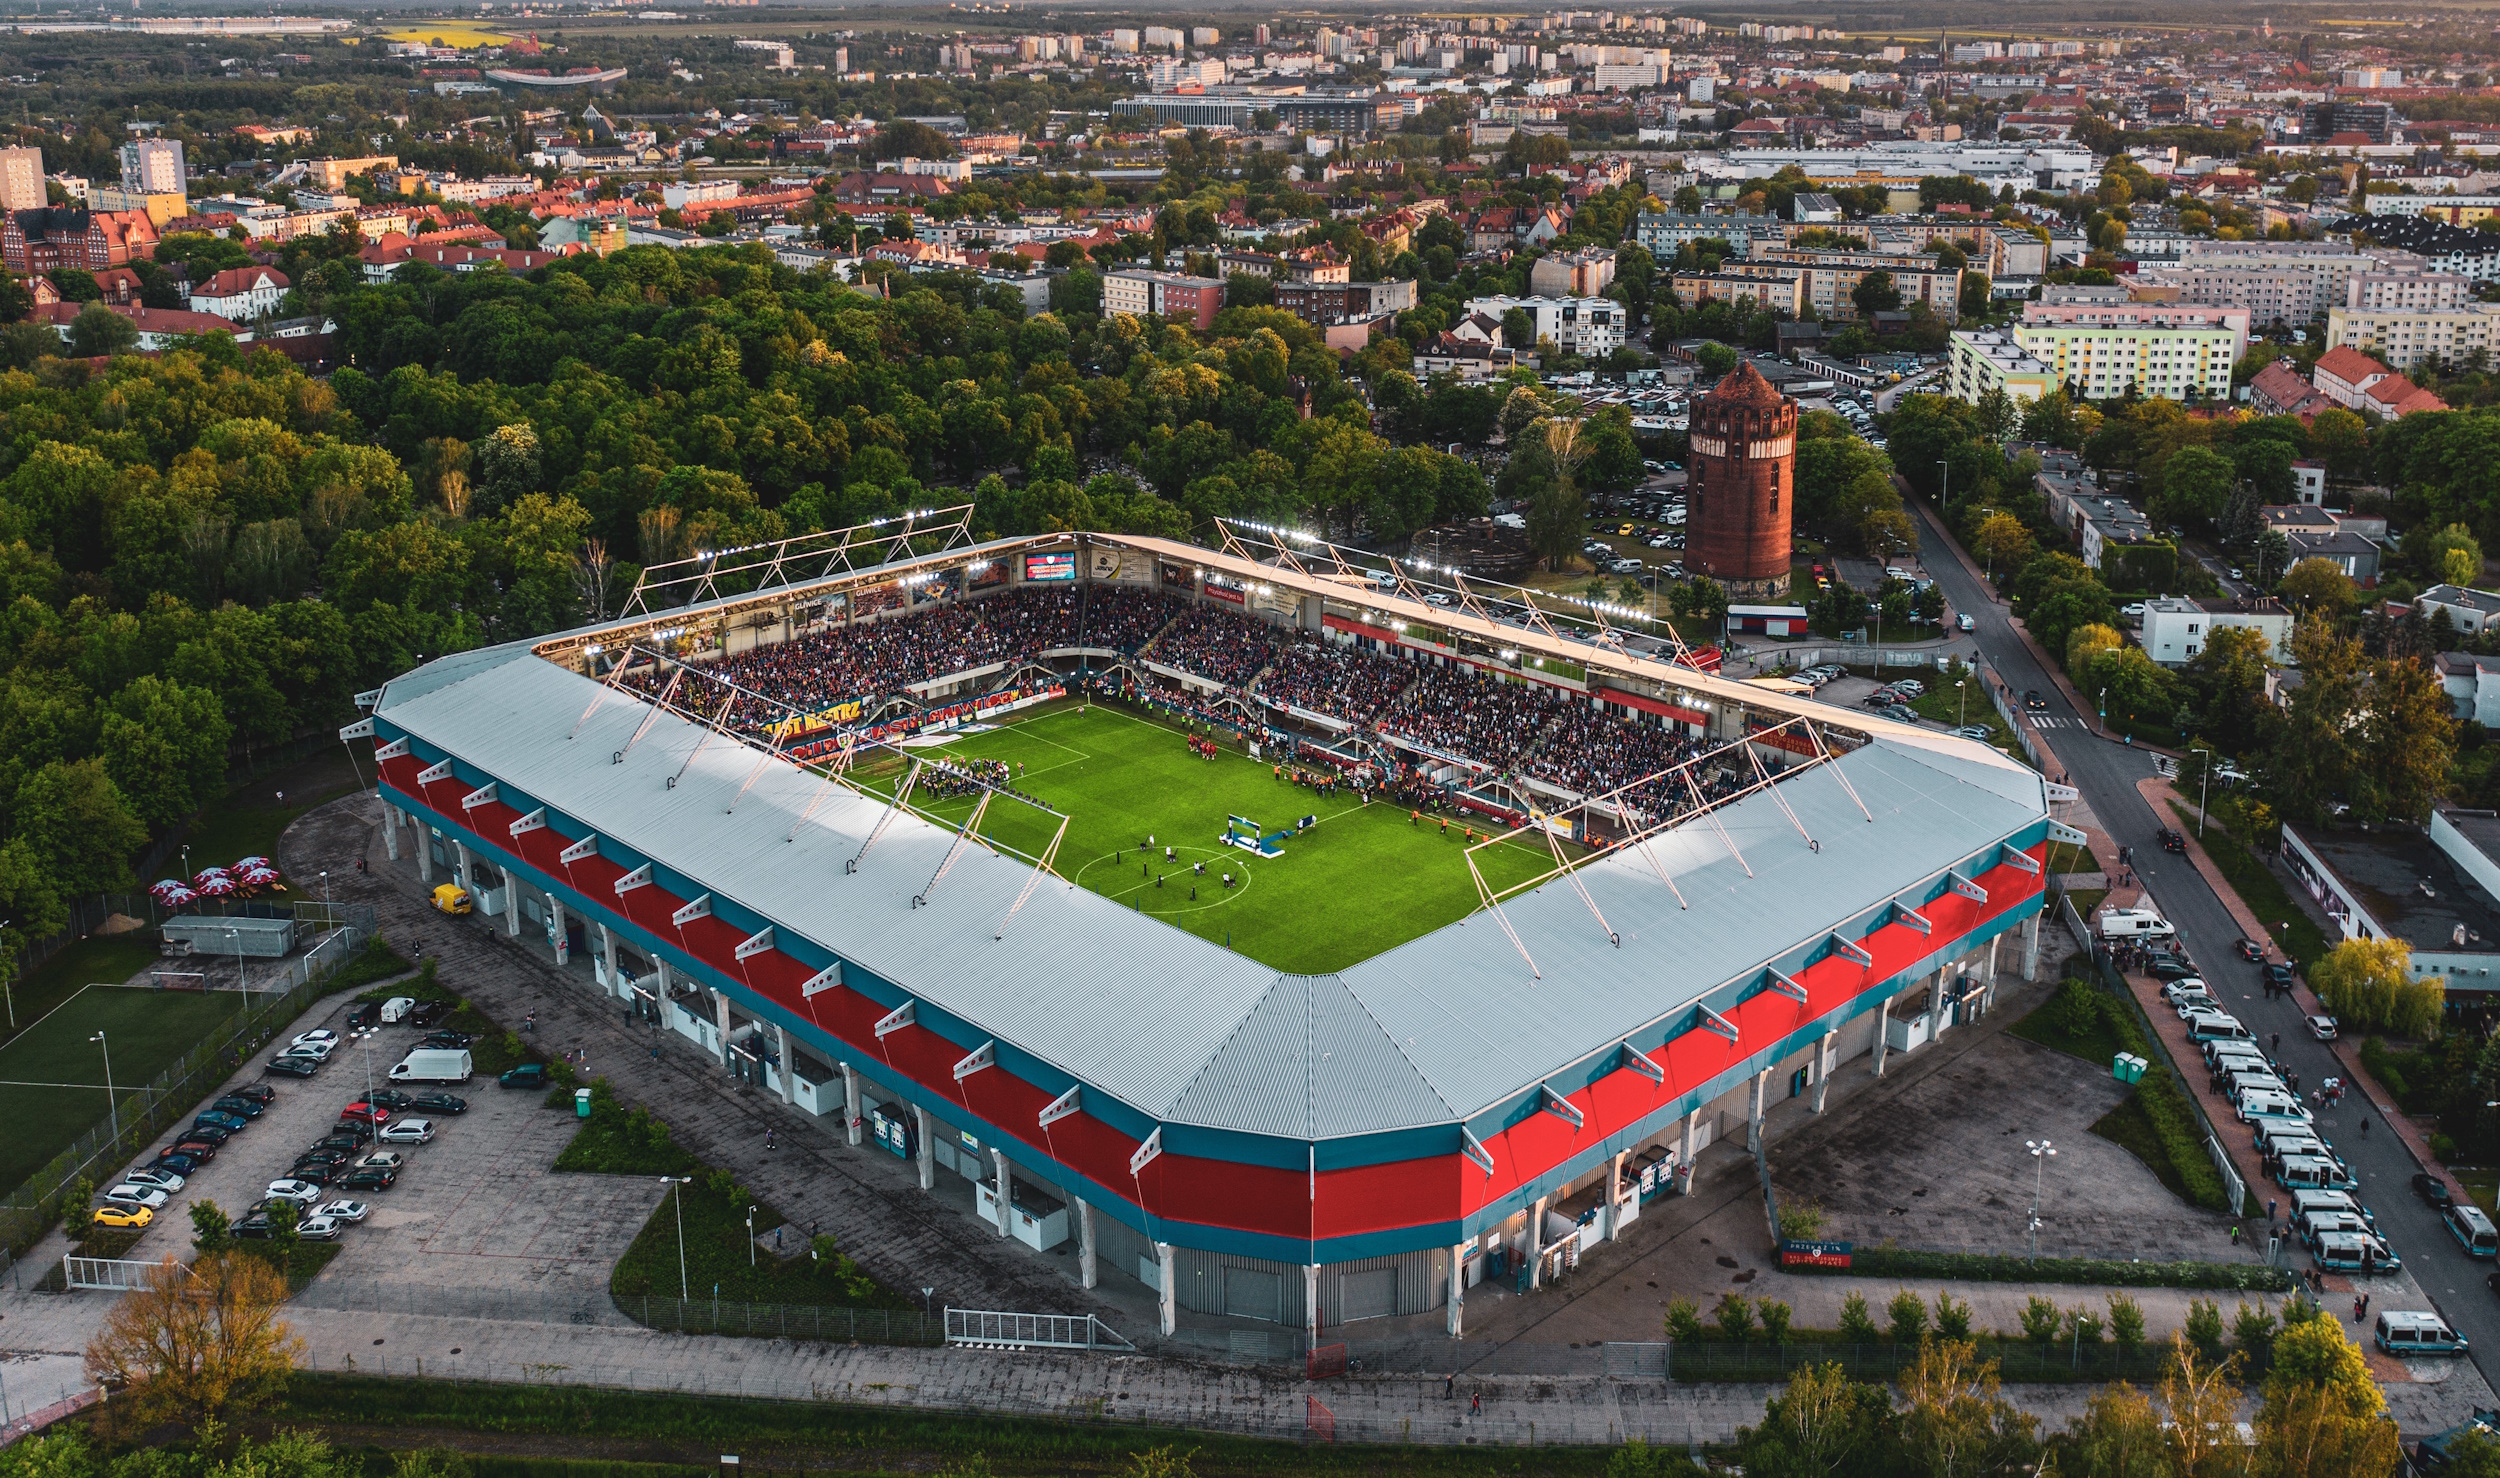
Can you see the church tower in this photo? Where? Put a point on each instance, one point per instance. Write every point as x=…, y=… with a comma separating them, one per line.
x=1743, y=485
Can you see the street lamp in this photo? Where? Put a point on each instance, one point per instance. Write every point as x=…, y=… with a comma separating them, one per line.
x=112, y=1101
x=1961, y=701
x=750, y=1236
x=2103, y=703
x=684, y=1291
x=2041, y=1153
x=241, y=982
x=8, y=985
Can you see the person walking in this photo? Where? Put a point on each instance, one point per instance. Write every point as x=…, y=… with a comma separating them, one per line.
x=1475, y=1403
x=768, y=1139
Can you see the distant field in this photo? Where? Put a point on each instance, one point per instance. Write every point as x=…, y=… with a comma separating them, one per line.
x=449, y=33
x=52, y=1074
x=1361, y=881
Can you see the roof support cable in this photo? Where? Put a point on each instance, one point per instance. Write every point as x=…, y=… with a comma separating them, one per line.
x=616, y=676
x=1485, y=897
x=1567, y=870
x=773, y=752
x=902, y=798
x=1763, y=774
x=1033, y=878
x=1824, y=752
x=841, y=761
x=971, y=828
x=651, y=717
x=704, y=738
x=1712, y=816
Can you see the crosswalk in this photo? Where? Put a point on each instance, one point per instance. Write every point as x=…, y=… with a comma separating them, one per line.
x=2043, y=721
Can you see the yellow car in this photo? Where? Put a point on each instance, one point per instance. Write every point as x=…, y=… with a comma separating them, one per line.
x=123, y=1216
x=451, y=898
x=1624, y=532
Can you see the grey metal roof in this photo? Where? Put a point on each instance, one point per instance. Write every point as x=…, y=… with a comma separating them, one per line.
x=1185, y=1030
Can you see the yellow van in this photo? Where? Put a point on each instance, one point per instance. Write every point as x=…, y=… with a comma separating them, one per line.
x=451, y=898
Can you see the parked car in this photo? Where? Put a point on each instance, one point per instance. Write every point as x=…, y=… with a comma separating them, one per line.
x=365, y=1017
x=1980, y=732
x=344, y=1211
x=294, y=1067
x=150, y=1175
x=177, y=1163
x=438, y=1103
x=2321, y=1027
x=325, y=1154
x=389, y=1098
x=2279, y=975
x=255, y=1226
x=118, y=1214
x=372, y=1113
x=301, y=1192
x=319, y=1049
x=2170, y=967
x=316, y=1174
x=200, y=1133
x=2252, y=951
x=369, y=1178
x=239, y=1106
x=407, y=1131
x=1910, y=687
x=2188, y=985
x=346, y=1144
x=323, y=1037
x=260, y=1093
x=131, y=1193
x=527, y=1075
x=2434, y=1191
x=319, y=1228
x=383, y=1160
x=426, y=1013
x=448, y=1040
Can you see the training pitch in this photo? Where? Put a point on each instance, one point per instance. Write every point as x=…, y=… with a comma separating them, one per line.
x=1362, y=880
x=52, y=1074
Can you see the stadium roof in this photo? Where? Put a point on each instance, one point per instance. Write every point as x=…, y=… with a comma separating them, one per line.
x=1186, y=1031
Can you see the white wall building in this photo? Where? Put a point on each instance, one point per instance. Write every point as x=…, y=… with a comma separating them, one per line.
x=1589, y=327
x=2176, y=628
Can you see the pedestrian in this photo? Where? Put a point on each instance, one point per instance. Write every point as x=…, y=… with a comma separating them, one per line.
x=2235, y=1234
x=2366, y=1251
x=2365, y=1126
x=768, y=1139
x=2271, y=1203
x=2356, y=1308
x=1449, y=1388
x=1475, y=1404
x=2277, y=1041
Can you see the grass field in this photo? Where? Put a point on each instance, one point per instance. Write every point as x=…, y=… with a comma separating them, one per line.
x=52, y=1074
x=449, y=33
x=1360, y=881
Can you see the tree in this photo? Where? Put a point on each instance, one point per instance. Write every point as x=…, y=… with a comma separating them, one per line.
x=1821, y=1425
x=2322, y=1413
x=2200, y=1394
x=2341, y=440
x=2230, y=678
x=2315, y=757
x=74, y=816
x=2196, y=485
x=212, y=1231
x=164, y=745
x=2456, y=556
x=2119, y=1435
x=1954, y=1418
x=2408, y=737
x=1557, y=514
x=98, y=331
x=2004, y=540
x=1875, y=293
x=2317, y=587
x=197, y=1344
x=2370, y=983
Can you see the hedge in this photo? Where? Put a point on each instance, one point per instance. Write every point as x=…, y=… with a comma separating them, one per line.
x=1990, y=1267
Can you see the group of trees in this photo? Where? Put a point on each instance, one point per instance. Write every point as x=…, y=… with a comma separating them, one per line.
x=2320, y=1413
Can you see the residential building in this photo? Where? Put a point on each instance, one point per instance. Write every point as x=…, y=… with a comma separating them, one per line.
x=1467, y=359
x=2406, y=338
x=2378, y=122
x=1585, y=273
x=2469, y=610
x=153, y=167
x=1660, y=234
x=1832, y=278
x=21, y=179
x=1783, y=293
x=2177, y=350
x=159, y=328
x=2281, y=390
x=1191, y=300
x=2177, y=628
x=1990, y=359
x=330, y=175
x=1324, y=303
x=2472, y=684
x=59, y=236
x=1589, y=327
x=2358, y=382
x=2414, y=292
x=2293, y=281
x=240, y=293
x=2356, y=556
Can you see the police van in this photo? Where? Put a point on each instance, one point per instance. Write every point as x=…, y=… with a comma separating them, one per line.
x=2416, y=1332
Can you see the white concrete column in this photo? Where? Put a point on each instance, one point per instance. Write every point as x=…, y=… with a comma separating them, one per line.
x=425, y=851
x=1310, y=1300
x=460, y=864
x=1536, y=1244
x=851, y=1115
x=557, y=940
x=1086, y=1265
x=511, y=904
x=1823, y=1068
x=1458, y=1286
x=1006, y=1188
x=393, y=819
x=1753, y=1113
x=1167, y=1299
x=1990, y=1000
x=1684, y=1154
x=1935, y=1005
x=607, y=955
x=1614, y=1195
x=720, y=1004
x=1883, y=1020
x=928, y=1151
x=2031, y=948
x=781, y=1044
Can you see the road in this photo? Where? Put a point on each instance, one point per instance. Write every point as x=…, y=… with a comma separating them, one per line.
x=2106, y=773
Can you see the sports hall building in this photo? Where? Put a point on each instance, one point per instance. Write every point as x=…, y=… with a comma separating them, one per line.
x=1484, y=1099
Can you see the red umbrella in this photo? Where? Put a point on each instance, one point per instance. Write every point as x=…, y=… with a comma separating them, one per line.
x=171, y=892
x=217, y=887
x=261, y=876
x=246, y=864
x=208, y=875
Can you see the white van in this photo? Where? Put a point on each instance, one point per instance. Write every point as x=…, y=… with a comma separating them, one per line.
x=2313, y=1170
x=2136, y=924
x=2218, y=1028
x=2416, y=1332
x=2472, y=1229
x=2315, y=1226
x=2258, y=1105
x=2306, y=1201
x=2274, y=1132
x=398, y=1007
x=434, y=1065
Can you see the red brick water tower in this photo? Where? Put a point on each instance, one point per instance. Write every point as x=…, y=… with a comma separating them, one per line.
x=1744, y=485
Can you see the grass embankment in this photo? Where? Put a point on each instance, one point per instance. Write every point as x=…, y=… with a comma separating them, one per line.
x=2155, y=1123
x=2294, y=932
x=635, y=1434
x=1361, y=880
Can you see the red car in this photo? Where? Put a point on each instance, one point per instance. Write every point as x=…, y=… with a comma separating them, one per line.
x=197, y=1149
x=367, y=1112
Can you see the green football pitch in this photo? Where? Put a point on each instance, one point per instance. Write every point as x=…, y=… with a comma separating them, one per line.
x=52, y=1073
x=1362, y=880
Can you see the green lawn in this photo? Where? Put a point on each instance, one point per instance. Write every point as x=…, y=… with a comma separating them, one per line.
x=246, y=821
x=52, y=1074
x=1362, y=880
x=2258, y=887
x=98, y=959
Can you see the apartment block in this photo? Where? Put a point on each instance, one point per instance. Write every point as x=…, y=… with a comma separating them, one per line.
x=1985, y=360
x=1191, y=300
x=2407, y=338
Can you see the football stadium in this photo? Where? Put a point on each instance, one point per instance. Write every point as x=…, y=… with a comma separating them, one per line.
x=1298, y=940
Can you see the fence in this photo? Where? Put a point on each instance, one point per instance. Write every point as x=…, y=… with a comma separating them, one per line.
x=2017, y=1362
x=112, y=1274
x=146, y=1111
x=1040, y=1331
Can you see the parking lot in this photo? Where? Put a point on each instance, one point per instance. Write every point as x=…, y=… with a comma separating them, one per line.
x=473, y=1210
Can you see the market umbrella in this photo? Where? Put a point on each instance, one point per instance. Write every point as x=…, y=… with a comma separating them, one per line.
x=242, y=864
x=208, y=875
x=259, y=877
x=217, y=887
x=171, y=892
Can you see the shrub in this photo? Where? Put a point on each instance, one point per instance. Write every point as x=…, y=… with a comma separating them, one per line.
x=2204, y=1327
x=1801, y=1223
x=1683, y=1322
x=2106, y=1272
x=1909, y=1317
x=1775, y=1316
x=2126, y=1321
x=2252, y=1330
x=78, y=1209
x=1857, y=1326
x=2074, y=1011
x=1952, y=1316
x=1735, y=1316
x=2040, y=1320
x=2083, y=1325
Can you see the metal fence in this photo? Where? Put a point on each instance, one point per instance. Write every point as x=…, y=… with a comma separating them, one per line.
x=138, y=1114
x=1038, y=1331
x=2058, y=1360
x=582, y=1306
